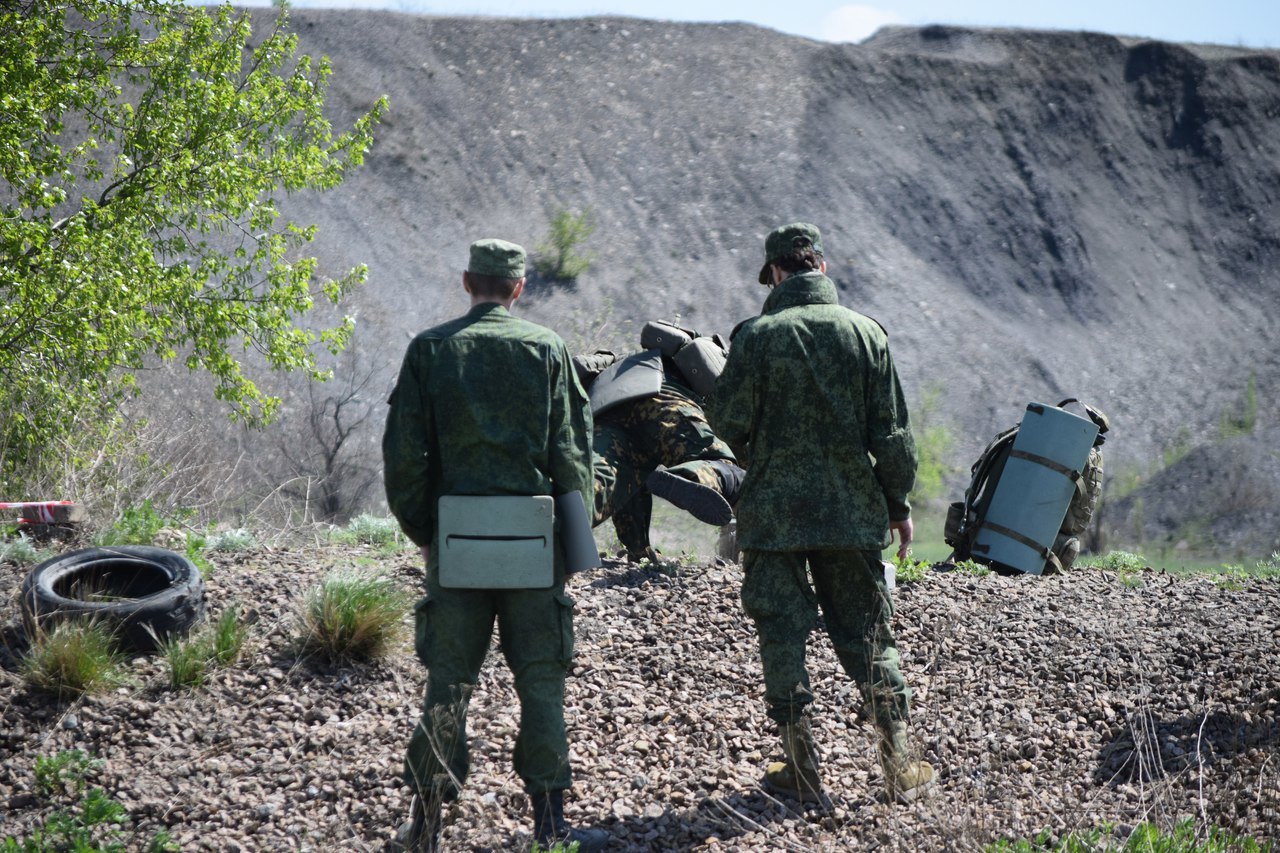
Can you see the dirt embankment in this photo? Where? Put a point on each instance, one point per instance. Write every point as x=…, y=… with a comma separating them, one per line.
x=1047, y=703
x=1032, y=215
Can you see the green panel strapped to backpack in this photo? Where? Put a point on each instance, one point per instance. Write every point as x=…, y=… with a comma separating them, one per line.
x=965, y=518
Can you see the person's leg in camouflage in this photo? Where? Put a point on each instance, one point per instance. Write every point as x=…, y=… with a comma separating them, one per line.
x=453, y=630
x=706, y=489
x=697, y=471
x=535, y=632
x=777, y=596
x=857, y=609
x=619, y=486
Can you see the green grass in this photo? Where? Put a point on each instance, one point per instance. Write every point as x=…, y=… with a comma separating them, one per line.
x=72, y=658
x=218, y=644
x=349, y=618
x=20, y=551
x=1186, y=837
x=232, y=541
x=89, y=819
x=379, y=532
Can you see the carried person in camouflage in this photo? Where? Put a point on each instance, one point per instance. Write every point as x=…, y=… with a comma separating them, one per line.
x=811, y=389
x=657, y=445
x=488, y=404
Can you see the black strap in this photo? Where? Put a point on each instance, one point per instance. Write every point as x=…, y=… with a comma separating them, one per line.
x=1016, y=537
x=1070, y=473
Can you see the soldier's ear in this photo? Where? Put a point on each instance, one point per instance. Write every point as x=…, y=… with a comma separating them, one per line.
x=517, y=290
x=466, y=282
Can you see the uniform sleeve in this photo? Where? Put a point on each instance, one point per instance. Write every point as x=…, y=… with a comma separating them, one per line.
x=570, y=431
x=890, y=439
x=408, y=443
x=731, y=405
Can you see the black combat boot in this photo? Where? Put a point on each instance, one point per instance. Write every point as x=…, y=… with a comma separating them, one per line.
x=710, y=504
x=550, y=828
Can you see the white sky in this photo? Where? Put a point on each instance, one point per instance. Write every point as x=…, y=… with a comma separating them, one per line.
x=1251, y=23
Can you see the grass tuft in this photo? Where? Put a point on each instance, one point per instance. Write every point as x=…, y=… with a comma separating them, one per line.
x=352, y=618
x=72, y=658
x=219, y=644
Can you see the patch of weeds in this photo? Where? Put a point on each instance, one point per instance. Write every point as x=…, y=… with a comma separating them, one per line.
x=974, y=568
x=380, y=532
x=1116, y=561
x=90, y=820
x=908, y=570
x=352, y=618
x=66, y=771
x=1268, y=568
x=20, y=551
x=235, y=541
x=219, y=644
x=72, y=658
x=1186, y=837
x=137, y=525
x=1231, y=578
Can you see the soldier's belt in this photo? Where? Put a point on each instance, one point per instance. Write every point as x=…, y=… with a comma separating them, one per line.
x=497, y=541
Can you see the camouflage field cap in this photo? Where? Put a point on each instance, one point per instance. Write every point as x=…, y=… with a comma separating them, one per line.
x=497, y=258
x=785, y=239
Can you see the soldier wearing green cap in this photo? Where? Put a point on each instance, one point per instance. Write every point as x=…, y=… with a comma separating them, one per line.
x=488, y=404
x=809, y=386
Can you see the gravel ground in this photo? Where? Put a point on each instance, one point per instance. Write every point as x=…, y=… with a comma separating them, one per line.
x=1047, y=703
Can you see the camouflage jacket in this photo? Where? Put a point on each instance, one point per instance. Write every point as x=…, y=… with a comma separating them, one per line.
x=811, y=390
x=487, y=404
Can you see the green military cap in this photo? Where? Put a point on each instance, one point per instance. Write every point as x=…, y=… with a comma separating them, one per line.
x=784, y=240
x=497, y=258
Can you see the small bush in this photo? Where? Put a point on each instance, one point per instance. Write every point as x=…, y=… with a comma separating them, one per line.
x=137, y=525
x=72, y=658
x=559, y=256
x=378, y=531
x=352, y=618
x=231, y=541
x=20, y=551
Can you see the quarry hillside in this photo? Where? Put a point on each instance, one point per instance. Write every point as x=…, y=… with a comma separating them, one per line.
x=1032, y=215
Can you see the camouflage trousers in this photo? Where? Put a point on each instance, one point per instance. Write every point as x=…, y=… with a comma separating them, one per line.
x=633, y=439
x=453, y=630
x=782, y=592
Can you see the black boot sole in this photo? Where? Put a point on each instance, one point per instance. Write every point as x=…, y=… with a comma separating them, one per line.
x=702, y=502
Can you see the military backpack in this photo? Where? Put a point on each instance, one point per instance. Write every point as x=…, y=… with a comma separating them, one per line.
x=965, y=518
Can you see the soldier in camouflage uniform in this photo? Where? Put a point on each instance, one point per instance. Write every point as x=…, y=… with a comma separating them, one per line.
x=811, y=388
x=488, y=404
x=657, y=445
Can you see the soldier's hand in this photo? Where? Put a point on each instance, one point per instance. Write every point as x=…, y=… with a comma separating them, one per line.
x=906, y=533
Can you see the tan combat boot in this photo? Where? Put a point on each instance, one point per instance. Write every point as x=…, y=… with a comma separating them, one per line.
x=797, y=777
x=905, y=780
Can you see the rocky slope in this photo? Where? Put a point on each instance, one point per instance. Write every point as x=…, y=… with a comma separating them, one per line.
x=1032, y=215
x=1057, y=703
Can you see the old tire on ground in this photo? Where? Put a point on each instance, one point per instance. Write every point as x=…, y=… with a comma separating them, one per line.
x=145, y=595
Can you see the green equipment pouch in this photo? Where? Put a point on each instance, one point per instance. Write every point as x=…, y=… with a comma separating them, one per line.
x=701, y=361
x=667, y=338
x=497, y=541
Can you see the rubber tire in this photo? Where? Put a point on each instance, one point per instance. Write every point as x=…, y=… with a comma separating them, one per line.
x=160, y=593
